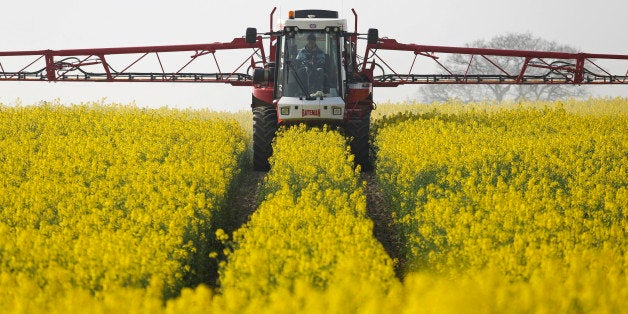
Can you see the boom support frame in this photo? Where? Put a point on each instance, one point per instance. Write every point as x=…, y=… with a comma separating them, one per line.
x=95, y=65
x=561, y=67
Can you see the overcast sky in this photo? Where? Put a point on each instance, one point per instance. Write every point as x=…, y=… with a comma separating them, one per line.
x=589, y=26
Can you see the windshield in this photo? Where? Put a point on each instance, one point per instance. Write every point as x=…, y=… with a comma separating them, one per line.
x=309, y=65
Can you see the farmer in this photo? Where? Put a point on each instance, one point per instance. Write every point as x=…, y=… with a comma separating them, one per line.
x=312, y=60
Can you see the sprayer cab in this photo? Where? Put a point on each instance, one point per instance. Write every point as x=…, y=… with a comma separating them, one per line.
x=309, y=72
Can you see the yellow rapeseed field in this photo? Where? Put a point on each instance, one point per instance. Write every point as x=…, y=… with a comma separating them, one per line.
x=528, y=202
x=101, y=197
x=310, y=233
x=516, y=208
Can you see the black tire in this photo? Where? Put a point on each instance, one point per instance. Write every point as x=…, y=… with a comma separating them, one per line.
x=264, y=128
x=357, y=130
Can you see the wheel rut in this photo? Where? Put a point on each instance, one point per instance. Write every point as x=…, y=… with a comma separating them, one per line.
x=241, y=203
x=244, y=200
x=384, y=231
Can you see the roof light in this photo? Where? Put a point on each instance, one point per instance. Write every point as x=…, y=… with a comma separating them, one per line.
x=291, y=15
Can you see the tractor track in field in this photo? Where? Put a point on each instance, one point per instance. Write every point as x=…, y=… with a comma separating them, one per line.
x=384, y=231
x=245, y=197
x=244, y=202
x=241, y=202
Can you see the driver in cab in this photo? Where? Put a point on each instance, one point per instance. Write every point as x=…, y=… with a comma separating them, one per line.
x=312, y=61
x=311, y=55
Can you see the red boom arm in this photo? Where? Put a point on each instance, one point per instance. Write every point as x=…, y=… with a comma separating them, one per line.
x=107, y=65
x=552, y=67
x=99, y=65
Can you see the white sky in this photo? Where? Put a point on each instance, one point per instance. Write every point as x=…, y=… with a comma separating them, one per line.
x=590, y=26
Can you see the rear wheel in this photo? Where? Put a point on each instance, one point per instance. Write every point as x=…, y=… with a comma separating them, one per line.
x=264, y=128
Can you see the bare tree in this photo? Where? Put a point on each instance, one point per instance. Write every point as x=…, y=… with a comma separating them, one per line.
x=514, y=41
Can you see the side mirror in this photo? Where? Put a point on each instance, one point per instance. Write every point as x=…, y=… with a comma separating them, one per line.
x=251, y=35
x=373, y=36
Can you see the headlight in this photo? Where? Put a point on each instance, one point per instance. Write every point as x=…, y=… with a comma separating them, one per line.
x=285, y=111
x=336, y=111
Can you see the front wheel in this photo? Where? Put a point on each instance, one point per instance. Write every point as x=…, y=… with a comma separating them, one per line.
x=264, y=128
x=357, y=129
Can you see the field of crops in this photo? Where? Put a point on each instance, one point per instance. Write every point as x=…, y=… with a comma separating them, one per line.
x=96, y=198
x=533, y=201
x=512, y=208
